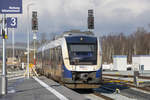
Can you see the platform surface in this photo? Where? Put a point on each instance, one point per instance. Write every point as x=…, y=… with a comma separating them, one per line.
x=32, y=89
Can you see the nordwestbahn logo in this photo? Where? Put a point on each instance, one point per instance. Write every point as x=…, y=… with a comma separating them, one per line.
x=11, y=6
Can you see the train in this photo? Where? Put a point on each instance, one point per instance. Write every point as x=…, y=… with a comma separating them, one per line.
x=73, y=59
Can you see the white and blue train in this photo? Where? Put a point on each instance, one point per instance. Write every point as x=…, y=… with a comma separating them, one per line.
x=73, y=59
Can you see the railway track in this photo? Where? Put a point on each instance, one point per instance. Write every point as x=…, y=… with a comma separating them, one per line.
x=127, y=83
x=107, y=92
x=93, y=94
x=102, y=96
x=132, y=92
x=126, y=76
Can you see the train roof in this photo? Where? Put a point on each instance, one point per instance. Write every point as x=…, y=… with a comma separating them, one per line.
x=75, y=33
x=78, y=32
x=59, y=39
x=51, y=44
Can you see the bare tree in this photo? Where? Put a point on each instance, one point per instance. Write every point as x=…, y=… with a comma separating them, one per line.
x=119, y=44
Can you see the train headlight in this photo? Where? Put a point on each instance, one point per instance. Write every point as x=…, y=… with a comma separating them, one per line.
x=95, y=68
x=73, y=68
x=81, y=38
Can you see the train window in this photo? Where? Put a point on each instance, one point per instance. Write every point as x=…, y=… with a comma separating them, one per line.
x=82, y=48
x=51, y=55
x=83, y=54
x=60, y=56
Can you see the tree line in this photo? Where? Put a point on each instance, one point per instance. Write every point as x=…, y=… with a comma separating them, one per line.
x=136, y=43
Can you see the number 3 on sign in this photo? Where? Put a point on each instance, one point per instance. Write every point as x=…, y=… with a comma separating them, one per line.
x=13, y=21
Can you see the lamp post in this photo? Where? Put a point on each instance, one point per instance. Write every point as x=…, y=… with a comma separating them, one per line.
x=28, y=39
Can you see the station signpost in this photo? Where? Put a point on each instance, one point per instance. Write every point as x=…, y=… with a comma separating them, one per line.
x=10, y=6
x=12, y=23
x=7, y=7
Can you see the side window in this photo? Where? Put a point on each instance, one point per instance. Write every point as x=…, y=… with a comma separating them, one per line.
x=50, y=55
x=59, y=53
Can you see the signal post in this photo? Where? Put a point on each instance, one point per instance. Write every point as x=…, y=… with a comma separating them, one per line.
x=90, y=20
x=34, y=29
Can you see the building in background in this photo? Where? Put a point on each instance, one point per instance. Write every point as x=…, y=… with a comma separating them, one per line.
x=19, y=51
x=120, y=62
x=107, y=67
x=141, y=62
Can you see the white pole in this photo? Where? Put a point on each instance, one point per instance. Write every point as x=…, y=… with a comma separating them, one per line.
x=28, y=40
x=34, y=38
x=4, y=74
x=34, y=50
x=13, y=43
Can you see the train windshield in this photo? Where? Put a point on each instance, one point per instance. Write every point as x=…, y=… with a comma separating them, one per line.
x=82, y=54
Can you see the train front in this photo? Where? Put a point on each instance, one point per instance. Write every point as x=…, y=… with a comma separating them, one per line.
x=82, y=62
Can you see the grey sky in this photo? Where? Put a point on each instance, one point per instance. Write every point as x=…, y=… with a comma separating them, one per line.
x=56, y=16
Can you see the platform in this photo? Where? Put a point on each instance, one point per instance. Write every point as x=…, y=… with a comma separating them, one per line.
x=39, y=88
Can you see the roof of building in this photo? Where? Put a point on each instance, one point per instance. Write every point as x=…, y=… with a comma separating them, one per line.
x=141, y=56
x=119, y=56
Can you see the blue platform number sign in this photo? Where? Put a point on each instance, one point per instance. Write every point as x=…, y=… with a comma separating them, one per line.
x=11, y=22
x=11, y=6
